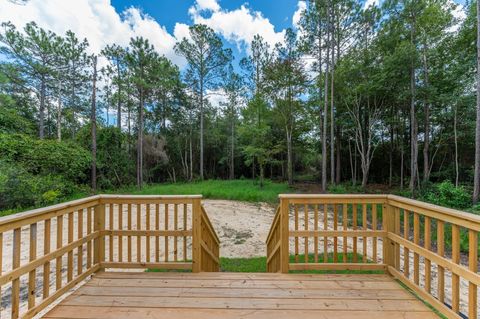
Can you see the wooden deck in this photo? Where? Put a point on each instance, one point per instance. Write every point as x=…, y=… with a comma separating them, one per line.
x=119, y=295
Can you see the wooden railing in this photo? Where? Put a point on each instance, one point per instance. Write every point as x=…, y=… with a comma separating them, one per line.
x=374, y=232
x=46, y=252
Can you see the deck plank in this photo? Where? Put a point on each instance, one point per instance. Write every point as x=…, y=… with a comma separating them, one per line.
x=237, y=295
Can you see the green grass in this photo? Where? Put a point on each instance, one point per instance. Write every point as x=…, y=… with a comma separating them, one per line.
x=259, y=264
x=241, y=190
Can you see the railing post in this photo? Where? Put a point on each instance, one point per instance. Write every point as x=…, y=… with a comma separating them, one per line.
x=284, y=235
x=99, y=242
x=197, y=235
x=389, y=227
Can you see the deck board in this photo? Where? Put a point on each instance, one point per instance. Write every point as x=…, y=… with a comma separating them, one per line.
x=235, y=295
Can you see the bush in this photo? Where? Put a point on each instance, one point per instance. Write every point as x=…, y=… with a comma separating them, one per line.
x=446, y=194
x=19, y=188
x=46, y=157
x=12, y=122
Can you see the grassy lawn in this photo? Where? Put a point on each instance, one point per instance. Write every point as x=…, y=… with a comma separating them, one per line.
x=241, y=190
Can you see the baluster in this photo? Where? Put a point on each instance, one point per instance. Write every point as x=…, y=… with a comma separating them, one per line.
x=46, y=266
x=416, y=240
x=441, y=252
x=455, y=259
x=305, y=211
x=375, y=228
x=32, y=274
x=120, y=228
x=406, y=251
x=129, y=238
x=157, y=238
x=70, y=252
x=110, y=223
x=89, y=231
x=58, y=265
x=295, y=209
x=355, y=222
x=335, y=239
x=175, y=238
x=166, y=228
x=139, y=237
x=473, y=266
x=184, y=228
x=315, y=227
x=364, y=227
x=80, y=248
x=17, y=233
x=325, y=227
x=345, y=227
x=147, y=238
x=428, y=264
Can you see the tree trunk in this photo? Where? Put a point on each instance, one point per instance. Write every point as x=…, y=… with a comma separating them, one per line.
x=390, y=157
x=426, y=145
x=94, y=126
x=332, y=90
x=232, y=145
x=413, y=122
x=456, y=144
x=140, y=143
x=476, y=179
x=339, y=162
x=59, y=113
x=289, y=158
x=41, y=121
x=325, y=118
x=119, y=104
x=191, y=158
x=201, y=129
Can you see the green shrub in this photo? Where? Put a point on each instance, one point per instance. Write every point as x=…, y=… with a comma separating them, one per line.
x=45, y=157
x=13, y=122
x=446, y=194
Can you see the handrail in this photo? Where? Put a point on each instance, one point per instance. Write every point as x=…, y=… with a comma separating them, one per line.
x=94, y=233
x=383, y=232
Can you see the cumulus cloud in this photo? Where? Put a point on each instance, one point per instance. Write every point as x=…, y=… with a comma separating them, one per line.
x=301, y=6
x=369, y=3
x=239, y=25
x=96, y=20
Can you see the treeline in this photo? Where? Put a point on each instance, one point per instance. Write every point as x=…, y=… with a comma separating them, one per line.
x=364, y=95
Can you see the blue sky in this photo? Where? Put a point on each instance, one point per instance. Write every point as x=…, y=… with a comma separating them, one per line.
x=163, y=22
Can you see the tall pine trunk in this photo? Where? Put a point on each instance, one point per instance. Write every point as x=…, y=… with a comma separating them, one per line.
x=41, y=121
x=325, y=117
x=413, y=122
x=119, y=104
x=94, y=126
x=476, y=179
x=426, y=145
x=59, y=112
x=140, y=142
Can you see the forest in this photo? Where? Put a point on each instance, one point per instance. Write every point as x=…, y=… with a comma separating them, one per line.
x=354, y=98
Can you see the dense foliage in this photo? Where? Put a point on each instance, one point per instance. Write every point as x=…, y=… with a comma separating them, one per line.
x=353, y=95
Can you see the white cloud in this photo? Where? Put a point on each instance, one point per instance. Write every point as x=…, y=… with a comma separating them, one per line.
x=96, y=20
x=239, y=25
x=301, y=6
x=369, y=3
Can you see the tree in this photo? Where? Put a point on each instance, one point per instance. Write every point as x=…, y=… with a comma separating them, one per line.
x=476, y=178
x=207, y=60
x=35, y=53
x=142, y=60
x=94, y=125
x=286, y=82
x=233, y=90
x=116, y=70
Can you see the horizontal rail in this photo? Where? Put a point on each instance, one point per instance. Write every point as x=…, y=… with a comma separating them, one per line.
x=349, y=228
x=95, y=233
